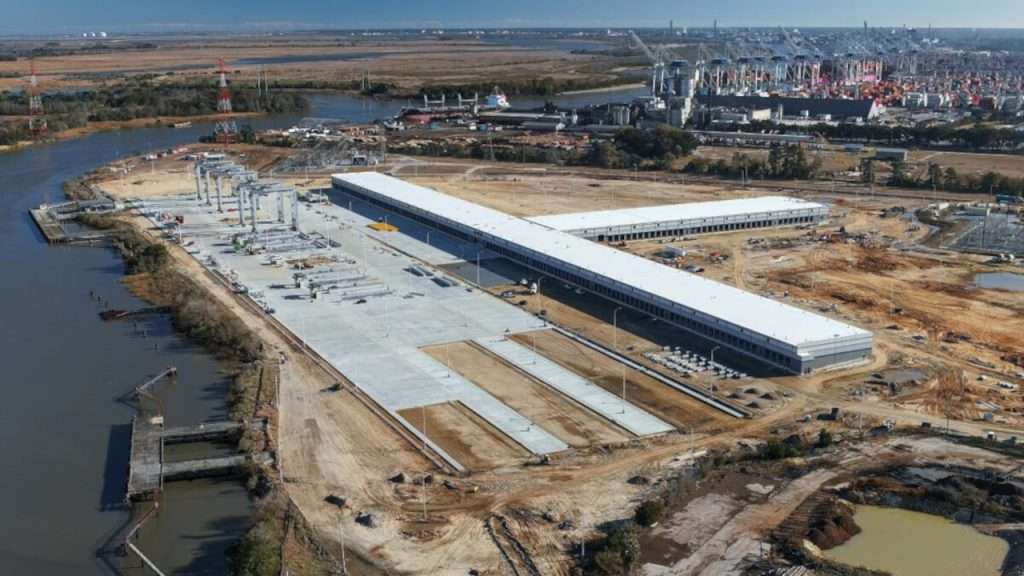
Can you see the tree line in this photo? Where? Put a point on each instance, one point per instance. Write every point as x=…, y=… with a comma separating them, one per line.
x=949, y=180
x=136, y=99
x=786, y=163
x=533, y=86
x=655, y=149
x=791, y=163
x=975, y=136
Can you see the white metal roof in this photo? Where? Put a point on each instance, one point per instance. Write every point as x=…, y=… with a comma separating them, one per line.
x=735, y=208
x=758, y=314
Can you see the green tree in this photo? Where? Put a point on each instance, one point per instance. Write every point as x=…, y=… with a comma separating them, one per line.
x=661, y=145
x=989, y=182
x=604, y=155
x=649, y=512
x=258, y=553
x=867, y=170
x=900, y=175
x=824, y=438
x=621, y=551
x=775, y=162
x=934, y=175
x=246, y=134
x=951, y=179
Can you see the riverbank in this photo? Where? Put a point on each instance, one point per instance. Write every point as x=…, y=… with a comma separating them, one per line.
x=152, y=276
x=603, y=89
x=156, y=121
x=207, y=313
x=79, y=370
x=136, y=123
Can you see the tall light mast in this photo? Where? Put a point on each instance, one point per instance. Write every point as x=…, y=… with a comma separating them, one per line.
x=226, y=131
x=36, y=115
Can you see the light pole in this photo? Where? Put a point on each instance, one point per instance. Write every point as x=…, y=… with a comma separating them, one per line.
x=713, y=367
x=424, y=486
x=448, y=362
x=539, y=298
x=344, y=561
x=623, y=388
x=615, y=328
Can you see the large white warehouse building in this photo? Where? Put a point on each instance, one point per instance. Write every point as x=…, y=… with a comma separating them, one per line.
x=772, y=332
x=687, y=219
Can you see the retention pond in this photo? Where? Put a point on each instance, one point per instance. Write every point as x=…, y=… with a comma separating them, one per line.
x=906, y=543
x=1000, y=281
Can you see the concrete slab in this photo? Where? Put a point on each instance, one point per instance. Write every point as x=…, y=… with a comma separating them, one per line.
x=375, y=344
x=626, y=415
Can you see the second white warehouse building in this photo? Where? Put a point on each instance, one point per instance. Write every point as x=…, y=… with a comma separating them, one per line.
x=687, y=219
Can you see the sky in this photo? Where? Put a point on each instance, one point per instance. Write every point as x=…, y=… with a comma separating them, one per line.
x=71, y=16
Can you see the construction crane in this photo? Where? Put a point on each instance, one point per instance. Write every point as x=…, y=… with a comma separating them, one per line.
x=658, y=64
x=647, y=51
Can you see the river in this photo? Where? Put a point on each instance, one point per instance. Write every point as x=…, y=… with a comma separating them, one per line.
x=360, y=109
x=906, y=543
x=65, y=434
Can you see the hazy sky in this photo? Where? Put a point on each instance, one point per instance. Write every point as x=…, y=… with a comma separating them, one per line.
x=32, y=16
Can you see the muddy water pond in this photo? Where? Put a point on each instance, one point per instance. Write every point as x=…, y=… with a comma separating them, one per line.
x=906, y=543
x=1000, y=281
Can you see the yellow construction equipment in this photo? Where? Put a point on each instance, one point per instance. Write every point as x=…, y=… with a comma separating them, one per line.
x=383, y=227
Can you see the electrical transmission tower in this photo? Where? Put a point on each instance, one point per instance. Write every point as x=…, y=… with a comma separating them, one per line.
x=226, y=131
x=36, y=116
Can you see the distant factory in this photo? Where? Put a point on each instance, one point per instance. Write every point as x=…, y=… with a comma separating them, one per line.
x=779, y=108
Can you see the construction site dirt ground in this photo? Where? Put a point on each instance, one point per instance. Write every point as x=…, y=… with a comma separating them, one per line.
x=970, y=162
x=470, y=440
x=536, y=195
x=666, y=403
x=787, y=263
x=554, y=412
x=330, y=443
x=923, y=307
x=856, y=281
x=136, y=177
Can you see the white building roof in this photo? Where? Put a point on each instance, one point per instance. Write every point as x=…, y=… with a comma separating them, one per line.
x=736, y=208
x=782, y=322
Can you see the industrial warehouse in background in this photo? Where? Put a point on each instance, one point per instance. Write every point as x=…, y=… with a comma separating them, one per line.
x=679, y=220
x=771, y=332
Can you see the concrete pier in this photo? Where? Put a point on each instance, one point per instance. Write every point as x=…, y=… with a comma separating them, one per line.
x=146, y=457
x=50, y=221
x=147, y=469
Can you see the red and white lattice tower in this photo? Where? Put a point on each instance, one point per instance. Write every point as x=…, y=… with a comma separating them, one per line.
x=36, y=116
x=226, y=131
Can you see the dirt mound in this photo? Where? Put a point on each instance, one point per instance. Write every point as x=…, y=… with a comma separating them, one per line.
x=877, y=260
x=833, y=525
